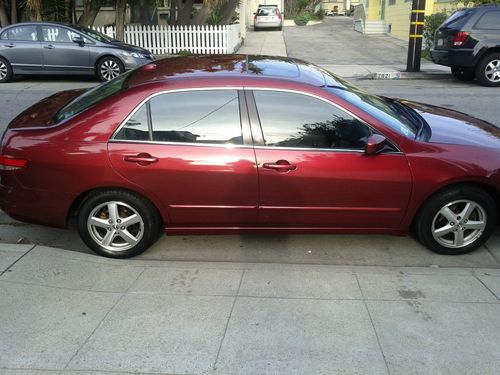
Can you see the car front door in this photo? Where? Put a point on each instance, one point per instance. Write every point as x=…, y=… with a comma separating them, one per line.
x=61, y=54
x=21, y=47
x=313, y=171
x=192, y=150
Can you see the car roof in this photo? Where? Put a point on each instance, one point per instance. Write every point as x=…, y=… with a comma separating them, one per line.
x=233, y=66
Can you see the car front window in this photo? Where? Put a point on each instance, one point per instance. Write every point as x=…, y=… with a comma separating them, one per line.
x=378, y=108
x=94, y=34
x=93, y=97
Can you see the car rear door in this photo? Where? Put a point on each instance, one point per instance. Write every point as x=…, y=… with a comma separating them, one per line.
x=61, y=54
x=192, y=150
x=20, y=45
x=313, y=171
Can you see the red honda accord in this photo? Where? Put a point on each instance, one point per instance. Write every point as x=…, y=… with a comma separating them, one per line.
x=233, y=143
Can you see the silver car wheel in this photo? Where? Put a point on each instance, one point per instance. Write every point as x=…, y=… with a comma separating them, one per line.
x=109, y=69
x=459, y=223
x=3, y=70
x=492, y=71
x=115, y=226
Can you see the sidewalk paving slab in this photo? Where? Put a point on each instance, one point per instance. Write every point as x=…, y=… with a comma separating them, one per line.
x=9, y=254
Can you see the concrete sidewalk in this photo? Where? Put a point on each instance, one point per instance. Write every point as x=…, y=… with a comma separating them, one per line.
x=71, y=313
x=335, y=46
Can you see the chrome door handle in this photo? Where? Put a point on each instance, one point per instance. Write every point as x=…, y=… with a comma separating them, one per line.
x=280, y=166
x=49, y=46
x=10, y=45
x=141, y=159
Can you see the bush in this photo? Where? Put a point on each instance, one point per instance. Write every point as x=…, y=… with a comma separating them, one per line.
x=184, y=52
x=319, y=15
x=302, y=19
x=432, y=23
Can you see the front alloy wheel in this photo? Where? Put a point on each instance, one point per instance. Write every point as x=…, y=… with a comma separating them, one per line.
x=109, y=68
x=457, y=220
x=118, y=224
x=459, y=224
x=5, y=71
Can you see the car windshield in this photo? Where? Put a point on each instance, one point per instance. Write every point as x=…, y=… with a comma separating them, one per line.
x=93, y=97
x=382, y=109
x=94, y=34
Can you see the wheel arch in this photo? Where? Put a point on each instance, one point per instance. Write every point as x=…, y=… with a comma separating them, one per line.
x=78, y=201
x=490, y=190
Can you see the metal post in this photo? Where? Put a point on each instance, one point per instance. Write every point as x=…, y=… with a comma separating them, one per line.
x=416, y=35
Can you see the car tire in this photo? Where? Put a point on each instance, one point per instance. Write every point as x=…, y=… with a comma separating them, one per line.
x=118, y=224
x=463, y=74
x=5, y=70
x=108, y=68
x=488, y=70
x=457, y=220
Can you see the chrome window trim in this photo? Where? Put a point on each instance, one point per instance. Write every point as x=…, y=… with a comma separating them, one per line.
x=225, y=145
x=328, y=102
x=112, y=138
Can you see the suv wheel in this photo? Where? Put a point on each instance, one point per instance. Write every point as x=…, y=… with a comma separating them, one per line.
x=463, y=74
x=488, y=70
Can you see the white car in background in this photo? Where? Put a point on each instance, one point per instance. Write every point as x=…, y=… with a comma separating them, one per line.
x=267, y=16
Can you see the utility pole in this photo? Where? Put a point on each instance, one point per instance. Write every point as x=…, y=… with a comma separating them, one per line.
x=416, y=36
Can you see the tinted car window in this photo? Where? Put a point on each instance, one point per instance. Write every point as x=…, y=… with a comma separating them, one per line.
x=457, y=19
x=267, y=12
x=295, y=120
x=93, y=96
x=21, y=33
x=197, y=117
x=136, y=128
x=57, y=34
x=489, y=20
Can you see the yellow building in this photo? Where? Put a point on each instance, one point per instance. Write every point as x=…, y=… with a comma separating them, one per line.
x=392, y=16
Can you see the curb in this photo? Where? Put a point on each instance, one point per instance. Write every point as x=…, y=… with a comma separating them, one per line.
x=397, y=75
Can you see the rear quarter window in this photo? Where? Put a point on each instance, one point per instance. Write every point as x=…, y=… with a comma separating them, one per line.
x=458, y=19
x=489, y=21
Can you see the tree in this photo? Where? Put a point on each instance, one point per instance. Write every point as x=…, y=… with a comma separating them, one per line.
x=4, y=18
x=121, y=7
x=34, y=8
x=90, y=10
x=13, y=11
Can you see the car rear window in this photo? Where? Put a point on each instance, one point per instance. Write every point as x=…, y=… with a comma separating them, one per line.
x=457, y=19
x=93, y=97
x=267, y=12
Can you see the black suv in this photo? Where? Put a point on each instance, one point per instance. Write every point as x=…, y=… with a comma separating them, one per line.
x=469, y=42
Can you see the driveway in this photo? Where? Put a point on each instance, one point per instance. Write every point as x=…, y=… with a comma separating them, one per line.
x=335, y=42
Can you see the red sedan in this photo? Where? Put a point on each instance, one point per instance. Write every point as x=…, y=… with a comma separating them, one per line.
x=227, y=144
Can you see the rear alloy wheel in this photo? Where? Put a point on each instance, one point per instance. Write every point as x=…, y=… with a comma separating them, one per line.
x=5, y=71
x=109, y=68
x=488, y=70
x=117, y=224
x=456, y=221
x=463, y=74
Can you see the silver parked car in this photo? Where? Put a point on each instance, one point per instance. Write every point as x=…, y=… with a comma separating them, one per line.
x=52, y=48
x=268, y=16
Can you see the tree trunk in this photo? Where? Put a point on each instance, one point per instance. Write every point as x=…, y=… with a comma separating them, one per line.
x=4, y=18
x=201, y=17
x=227, y=11
x=90, y=10
x=121, y=7
x=184, y=17
x=13, y=11
x=68, y=10
x=173, y=10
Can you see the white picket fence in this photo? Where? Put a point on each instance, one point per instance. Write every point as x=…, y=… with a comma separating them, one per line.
x=161, y=40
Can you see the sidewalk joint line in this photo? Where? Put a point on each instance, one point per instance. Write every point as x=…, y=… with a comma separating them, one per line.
x=98, y=325
x=214, y=367
x=373, y=325
x=492, y=254
x=17, y=260
x=486, y=286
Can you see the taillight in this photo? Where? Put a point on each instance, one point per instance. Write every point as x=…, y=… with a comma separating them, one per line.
x=279, y=15
x=460, y=38
x=8, y=163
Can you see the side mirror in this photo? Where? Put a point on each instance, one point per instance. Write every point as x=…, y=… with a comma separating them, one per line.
x=79, y=40
x=375, y=144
